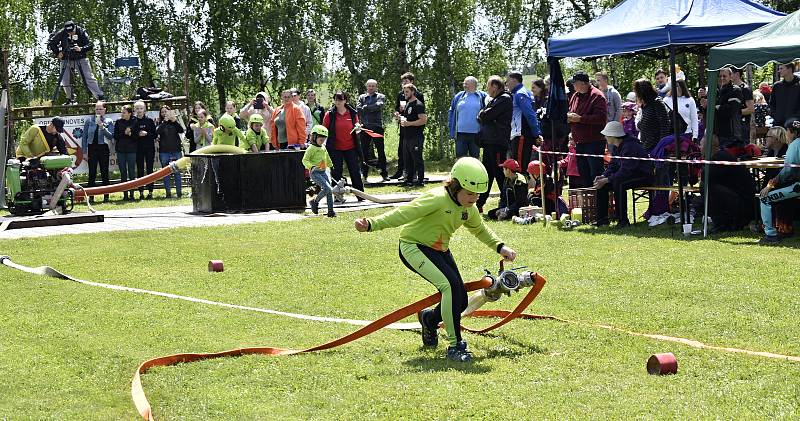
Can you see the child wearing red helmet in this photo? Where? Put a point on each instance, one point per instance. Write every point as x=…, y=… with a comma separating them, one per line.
x=513, y=195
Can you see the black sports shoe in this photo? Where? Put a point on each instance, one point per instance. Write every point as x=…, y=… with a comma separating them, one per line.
x=769, y=239
x=429, y=336
x=331, y=214
x=459, y=353
x=314, y=207
x=396, y=175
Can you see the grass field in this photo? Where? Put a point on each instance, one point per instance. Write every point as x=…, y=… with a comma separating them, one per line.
x=68, y=351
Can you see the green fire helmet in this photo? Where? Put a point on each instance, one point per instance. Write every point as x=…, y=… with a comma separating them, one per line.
x=257, y=118
x=320, y=130
x=227, y=122
x=471, y=174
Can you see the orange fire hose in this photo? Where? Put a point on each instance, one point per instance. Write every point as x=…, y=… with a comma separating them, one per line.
x=145, y=410
x=128, y=185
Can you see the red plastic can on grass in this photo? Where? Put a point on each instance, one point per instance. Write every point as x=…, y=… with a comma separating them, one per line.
x=661, y=364
x=215, y=266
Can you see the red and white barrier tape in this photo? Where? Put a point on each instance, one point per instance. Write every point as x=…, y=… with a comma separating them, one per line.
x=677, y=161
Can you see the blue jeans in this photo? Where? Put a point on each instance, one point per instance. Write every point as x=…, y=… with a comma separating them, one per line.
x=166, y=158
x=320, y=178
x=126, y=161
x=788, y=192
x=467, y=144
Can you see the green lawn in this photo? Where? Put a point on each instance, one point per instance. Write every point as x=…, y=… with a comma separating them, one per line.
x=69, y=351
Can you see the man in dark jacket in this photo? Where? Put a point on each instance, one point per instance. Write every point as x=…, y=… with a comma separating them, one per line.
x=588, y=110
x=785, y=98
x=370, y=111
x=495, y=121
x=731, y=192
x=70, y=45
x=727, y=120
x=622, y=174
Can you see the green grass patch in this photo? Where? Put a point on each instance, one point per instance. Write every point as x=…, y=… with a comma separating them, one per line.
x=69, y=351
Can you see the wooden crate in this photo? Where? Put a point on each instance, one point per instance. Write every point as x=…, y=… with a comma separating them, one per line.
x=586, y=199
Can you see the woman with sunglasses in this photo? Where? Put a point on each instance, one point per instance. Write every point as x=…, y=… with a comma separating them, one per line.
x=428, y=224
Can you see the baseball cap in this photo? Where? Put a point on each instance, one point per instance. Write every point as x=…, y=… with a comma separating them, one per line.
x=69, y=26
x=511, y=164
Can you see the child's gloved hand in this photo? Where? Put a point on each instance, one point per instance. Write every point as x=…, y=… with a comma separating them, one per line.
x=508, y=253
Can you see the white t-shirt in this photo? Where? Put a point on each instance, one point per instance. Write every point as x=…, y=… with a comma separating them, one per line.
x=688, y=110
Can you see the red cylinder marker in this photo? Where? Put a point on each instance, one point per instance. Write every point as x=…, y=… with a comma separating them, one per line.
x=215, y=266
x=662, y=364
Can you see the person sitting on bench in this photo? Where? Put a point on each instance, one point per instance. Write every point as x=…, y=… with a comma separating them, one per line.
x=786, y=185
x=731, y=191
x=622, y=174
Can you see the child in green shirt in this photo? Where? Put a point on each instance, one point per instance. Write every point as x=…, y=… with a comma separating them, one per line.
x=317, y=161
x=227, y=133
x=256, y=136
x=428, y=223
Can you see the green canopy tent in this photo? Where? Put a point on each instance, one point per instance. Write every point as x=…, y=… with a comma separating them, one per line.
x=778, y=41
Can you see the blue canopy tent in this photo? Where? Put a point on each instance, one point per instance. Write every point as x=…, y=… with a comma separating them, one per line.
x=640, y=26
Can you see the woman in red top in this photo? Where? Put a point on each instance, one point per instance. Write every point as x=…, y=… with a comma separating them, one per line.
x=342, y=142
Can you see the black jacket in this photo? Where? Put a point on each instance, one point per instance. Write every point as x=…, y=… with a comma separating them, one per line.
x=60, y=42
x=514, y=194
x=654, y=125
x=169, y=139
x=628, y=169
x=728, y=118
x=495, y=120
x=735, y=177
x=147, y=142
x=785, y=101
x=125, y=143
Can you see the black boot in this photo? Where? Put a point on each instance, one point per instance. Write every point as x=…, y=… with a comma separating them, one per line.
x=429, y=336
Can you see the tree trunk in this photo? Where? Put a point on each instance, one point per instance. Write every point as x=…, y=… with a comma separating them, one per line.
x=138, y=37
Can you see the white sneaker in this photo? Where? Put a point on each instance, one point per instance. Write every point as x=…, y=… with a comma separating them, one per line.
x=658, y=219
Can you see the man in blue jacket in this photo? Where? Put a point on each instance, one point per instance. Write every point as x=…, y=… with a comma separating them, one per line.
x=463, y=118
x=622, y=174
x=525, y=129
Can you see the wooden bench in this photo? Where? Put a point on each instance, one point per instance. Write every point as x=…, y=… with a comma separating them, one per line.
x=639, y=193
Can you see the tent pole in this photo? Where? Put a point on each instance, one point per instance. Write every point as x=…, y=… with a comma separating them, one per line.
x=707, y=152
x=676, y=132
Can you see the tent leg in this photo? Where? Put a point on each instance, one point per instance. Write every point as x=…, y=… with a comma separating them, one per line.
x=676, y=133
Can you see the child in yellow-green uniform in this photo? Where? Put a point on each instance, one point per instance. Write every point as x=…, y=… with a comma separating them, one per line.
x=428, y=223
x=317, y=161
x=255, y=139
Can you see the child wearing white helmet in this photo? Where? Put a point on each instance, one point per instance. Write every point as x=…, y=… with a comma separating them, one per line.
x=317, y=161
x=428, y=223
